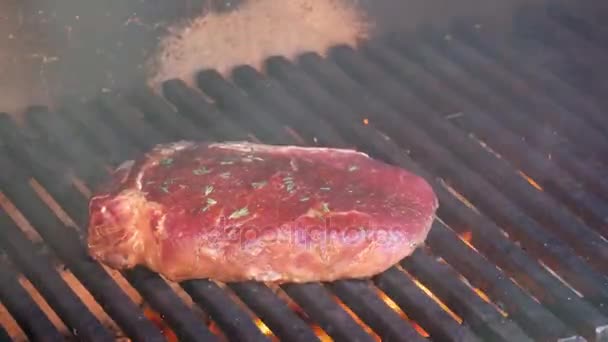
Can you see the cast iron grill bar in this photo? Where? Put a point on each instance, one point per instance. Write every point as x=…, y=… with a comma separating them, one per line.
x=237, y=103
x=547, y=30
x=532, y=100
x=560, y=91
x=405, y=293
x=164, y=300
x=450, y=99
x=481, y=68
x=283, y=322
x=174, y=311
x=20, y=188
x=579, y=20
x=293, y=105
x=495, y=245
x=480, y=93
x=98, y=132
x=317, y=302
x=26, y=312
x=506, y=294
x=560, y=183
x=150, y=285
x=543, y=79
x=444, y=282
x=144, y=135
x=56, y=292
x=251, y=80
x=445, y=100
x=532, y=22
x=71, y=150
x=362, y=298
x=193, y=106
x=21, y=150
x=314, y=128
x=211, y=85
x=511, y=84
x=235, y=323
x=584, y=27
x=162, y=114
x=67, y=246
x=481, y=192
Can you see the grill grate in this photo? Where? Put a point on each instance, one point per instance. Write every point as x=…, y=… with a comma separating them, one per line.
x=515, y=152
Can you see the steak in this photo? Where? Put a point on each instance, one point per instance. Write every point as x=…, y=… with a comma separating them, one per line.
x=241, y=211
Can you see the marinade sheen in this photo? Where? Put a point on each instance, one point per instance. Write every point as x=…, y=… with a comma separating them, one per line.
x=239, y=211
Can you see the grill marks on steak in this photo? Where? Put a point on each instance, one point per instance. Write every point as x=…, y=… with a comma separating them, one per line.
x=243, y=211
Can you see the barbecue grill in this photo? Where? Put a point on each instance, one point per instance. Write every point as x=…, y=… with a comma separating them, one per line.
x=512, y=141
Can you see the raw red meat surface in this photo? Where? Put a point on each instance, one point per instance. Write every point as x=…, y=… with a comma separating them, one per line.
x=242, y=211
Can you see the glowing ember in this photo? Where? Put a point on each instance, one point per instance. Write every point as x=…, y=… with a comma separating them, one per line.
x=391, y=304
x=420, y=330
x=531, y=181
x=321, y=334
x=214, y=328
x=161, y=324
x=358, y=320
x=482, y=294
x=441, y=304
x=263, y=327
x=486, y=299
x=366, y=121
x=467, y=237
x=458, y=195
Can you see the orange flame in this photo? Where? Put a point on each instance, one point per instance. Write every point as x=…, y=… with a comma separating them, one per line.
x=485, y=297
x=531, y=181
x=321, y=334
x=467, y=237
x=263, y=327
x=482, y=294
x=441, y=304
x=161, y=324
x=358, y=320
x=391, y=304
x=366, y=121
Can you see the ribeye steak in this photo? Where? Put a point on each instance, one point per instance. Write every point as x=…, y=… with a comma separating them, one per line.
x=242, y=211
